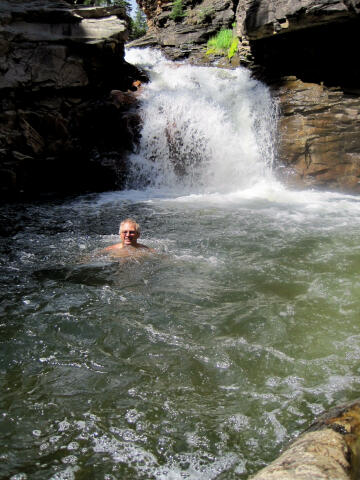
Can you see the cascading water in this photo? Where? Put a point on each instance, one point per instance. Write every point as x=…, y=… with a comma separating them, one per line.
x=199, y=362
x=204, y=129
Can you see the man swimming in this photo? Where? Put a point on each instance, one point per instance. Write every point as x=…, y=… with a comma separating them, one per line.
x=129, y=232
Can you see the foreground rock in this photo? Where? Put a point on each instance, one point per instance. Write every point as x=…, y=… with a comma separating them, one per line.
x=328, y=450
x=60, y=130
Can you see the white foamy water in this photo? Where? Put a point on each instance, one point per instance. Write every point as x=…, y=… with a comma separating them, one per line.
x=204, y=129
x=208, y=139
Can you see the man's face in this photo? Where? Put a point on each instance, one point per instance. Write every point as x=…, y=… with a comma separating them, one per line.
x=128, y=234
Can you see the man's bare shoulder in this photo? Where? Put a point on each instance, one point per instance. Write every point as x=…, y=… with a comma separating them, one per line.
x=120, y=250
x=117, y=246
x=144, y=247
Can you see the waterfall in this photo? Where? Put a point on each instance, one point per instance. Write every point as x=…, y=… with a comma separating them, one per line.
x=204, y=129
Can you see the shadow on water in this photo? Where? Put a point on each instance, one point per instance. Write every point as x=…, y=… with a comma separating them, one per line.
x=95, y=275
x=118, y=272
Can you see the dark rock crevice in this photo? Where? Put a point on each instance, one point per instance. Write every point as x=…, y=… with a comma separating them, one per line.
x=321, y=54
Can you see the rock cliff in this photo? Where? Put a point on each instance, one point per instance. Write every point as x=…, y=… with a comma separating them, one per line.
x=305, y=50
x=61, y=130
x=181, y=38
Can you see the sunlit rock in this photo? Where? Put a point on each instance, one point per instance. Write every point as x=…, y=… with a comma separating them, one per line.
x=318, y=136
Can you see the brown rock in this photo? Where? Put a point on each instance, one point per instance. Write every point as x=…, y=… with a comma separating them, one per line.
x=318, y=455
x=313, y=43
x=319, y=137
x=33, y=140
x=187, y=36
x=123, y=98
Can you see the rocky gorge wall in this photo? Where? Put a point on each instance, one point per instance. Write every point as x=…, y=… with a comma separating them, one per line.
x=66, y=119
x=67, y=97
x=305, y=50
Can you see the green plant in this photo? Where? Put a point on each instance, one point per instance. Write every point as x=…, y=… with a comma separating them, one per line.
x=205, y=14
x=138, y=25
x=233, y=47
x=223, y=43
x=177, y=11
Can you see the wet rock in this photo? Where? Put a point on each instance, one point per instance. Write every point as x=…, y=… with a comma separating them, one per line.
x=311, y=44
x=185, y=37
x=312, y=41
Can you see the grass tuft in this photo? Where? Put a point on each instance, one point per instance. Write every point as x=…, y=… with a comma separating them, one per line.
x=224, y=43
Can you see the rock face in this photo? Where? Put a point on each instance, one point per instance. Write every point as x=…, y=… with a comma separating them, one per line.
x=260, y=18
x=319, y=144
x=60, y=129
x=305, y=50
x=183, y=37
x=312, y=42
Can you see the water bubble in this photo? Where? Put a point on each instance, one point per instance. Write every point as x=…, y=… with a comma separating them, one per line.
x=69, y=459
x=73, y=446
x=67, y=474
x=63, y=426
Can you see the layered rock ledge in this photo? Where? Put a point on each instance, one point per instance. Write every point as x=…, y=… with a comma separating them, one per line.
x=60, y=128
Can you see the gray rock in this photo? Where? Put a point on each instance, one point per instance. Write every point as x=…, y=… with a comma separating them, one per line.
x=58, y=65
x=186, y=36
x=262, y=18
